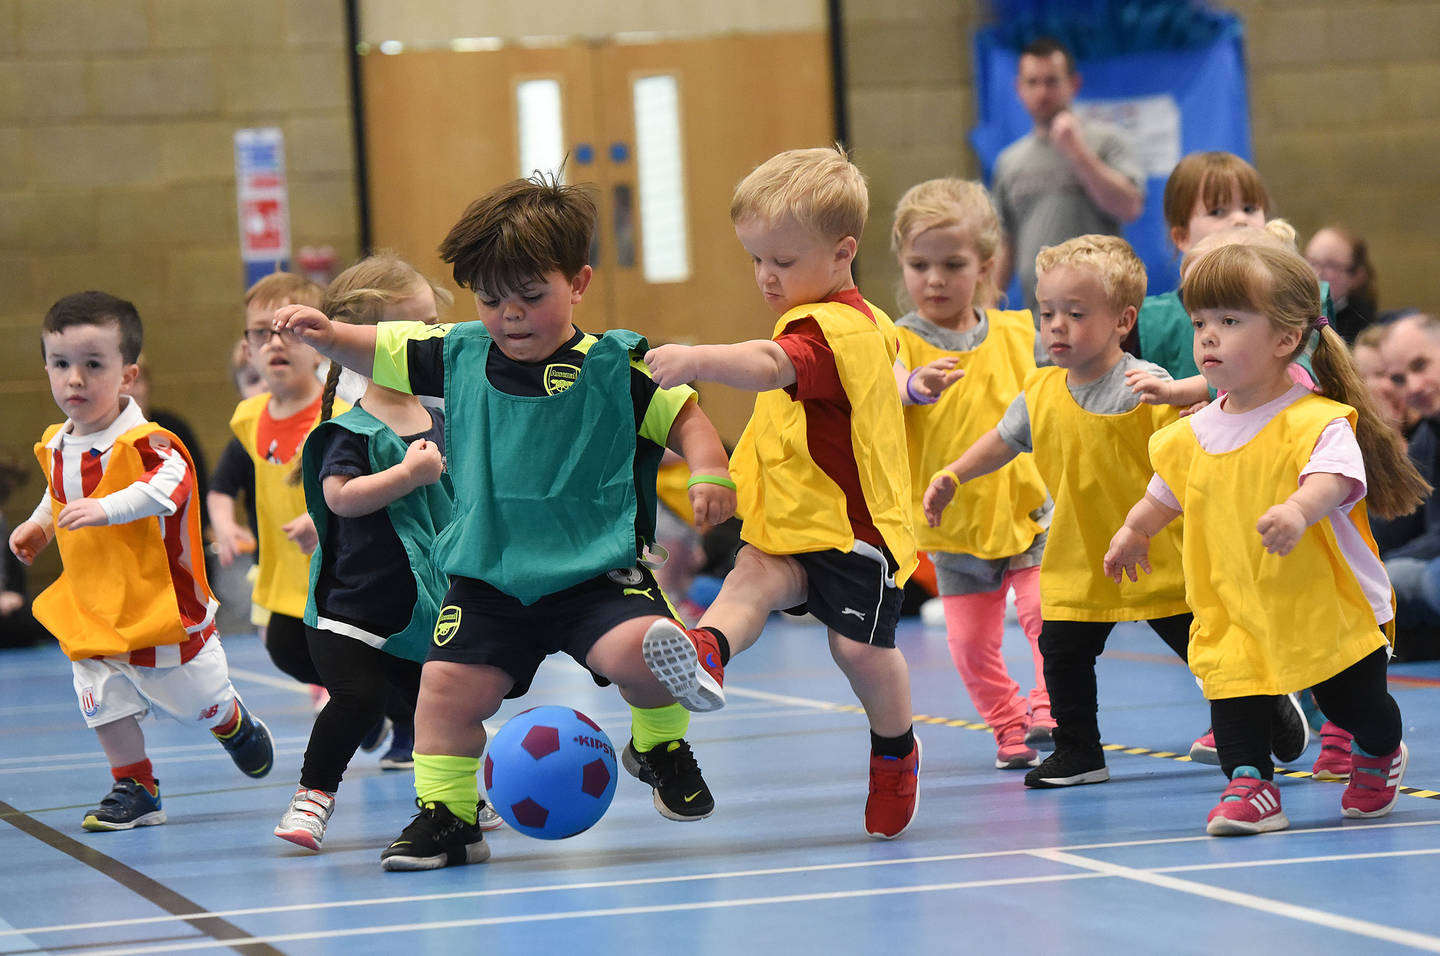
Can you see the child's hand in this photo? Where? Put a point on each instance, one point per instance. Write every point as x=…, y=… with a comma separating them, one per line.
x=712, y=504
x=1280, y=527
x=1186, y=413
x=940, y=493
x=85, y=513
x=231, y=542
x=1129, y=549
x=424, y=461
x=1150, y=389
x=309, y=325
x=670, y=365
x=931, y=380
x=27, y=540
x=301, y=530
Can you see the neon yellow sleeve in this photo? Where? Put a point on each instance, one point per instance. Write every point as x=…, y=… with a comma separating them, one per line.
x=392, y=339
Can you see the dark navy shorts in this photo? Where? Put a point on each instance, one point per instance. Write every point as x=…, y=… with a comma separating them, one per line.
x=480, y=624
x=853, y=593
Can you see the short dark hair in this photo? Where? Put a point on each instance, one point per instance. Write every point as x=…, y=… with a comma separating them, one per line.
x=98, y=308
x=1045, y=47
x=517, y=232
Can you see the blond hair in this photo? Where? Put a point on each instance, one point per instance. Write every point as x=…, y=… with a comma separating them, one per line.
x=1110, y=258
x=361, y=294
x=282, y=288
x=1280, y=285
x=821, y=189
x=941, y=203
x=1277, y=234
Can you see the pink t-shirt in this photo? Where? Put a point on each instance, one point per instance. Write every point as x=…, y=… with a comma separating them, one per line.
x=1336, y=453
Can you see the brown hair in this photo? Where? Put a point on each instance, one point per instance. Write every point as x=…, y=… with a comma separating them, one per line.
x=281, y=288
x=97, y=308
x=1114, y=262
x=1279, y=284
x=515, y=234
x=821, y=189
x=939, y=203
x=1210, y=176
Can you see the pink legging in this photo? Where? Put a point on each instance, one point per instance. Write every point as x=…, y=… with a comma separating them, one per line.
x=975, y=630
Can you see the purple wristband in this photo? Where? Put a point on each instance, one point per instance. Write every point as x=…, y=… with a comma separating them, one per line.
x=918, y=399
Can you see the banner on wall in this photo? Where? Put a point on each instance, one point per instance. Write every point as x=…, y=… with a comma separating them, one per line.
x=263, y=202
x=1170, y=102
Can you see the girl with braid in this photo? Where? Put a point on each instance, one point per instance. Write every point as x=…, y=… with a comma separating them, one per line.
x=375, y=487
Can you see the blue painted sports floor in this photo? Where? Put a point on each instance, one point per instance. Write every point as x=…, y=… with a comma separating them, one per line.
x=783, y=866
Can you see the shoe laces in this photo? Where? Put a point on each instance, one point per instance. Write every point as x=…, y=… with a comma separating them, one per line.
x=671, y=761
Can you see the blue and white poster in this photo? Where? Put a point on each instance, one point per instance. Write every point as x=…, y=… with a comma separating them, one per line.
x=263, y=202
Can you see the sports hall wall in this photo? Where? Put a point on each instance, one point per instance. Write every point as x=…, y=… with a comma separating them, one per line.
x=117, y=164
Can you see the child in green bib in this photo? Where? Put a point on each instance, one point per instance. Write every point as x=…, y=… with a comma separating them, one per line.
x=552, y=440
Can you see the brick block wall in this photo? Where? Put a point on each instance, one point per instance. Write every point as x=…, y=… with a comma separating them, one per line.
x=117, y=172
x=1345, y=113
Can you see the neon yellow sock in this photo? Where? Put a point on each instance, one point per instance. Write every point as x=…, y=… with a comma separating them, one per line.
x=442, y=778
x=653, y=726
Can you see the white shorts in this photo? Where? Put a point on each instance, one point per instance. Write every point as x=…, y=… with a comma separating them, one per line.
x=199, y=690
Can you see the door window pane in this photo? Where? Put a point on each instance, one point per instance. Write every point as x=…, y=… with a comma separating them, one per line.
x=542, y=134
x=664, y=236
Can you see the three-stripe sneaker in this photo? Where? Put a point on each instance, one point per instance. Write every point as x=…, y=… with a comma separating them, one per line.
x=1374, y=783
x=1248, y=806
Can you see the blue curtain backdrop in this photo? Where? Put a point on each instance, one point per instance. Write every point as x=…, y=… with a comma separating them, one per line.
x=1135, y=57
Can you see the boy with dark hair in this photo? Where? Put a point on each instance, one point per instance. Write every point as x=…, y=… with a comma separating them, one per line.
x=132, y=608
x=553, y=437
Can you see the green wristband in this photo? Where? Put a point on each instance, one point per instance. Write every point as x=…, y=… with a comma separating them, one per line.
x=710, y=480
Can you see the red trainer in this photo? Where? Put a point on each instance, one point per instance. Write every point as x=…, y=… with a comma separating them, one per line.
x=1012, y=750
x=687, y=663
x=894, y=794
x=1203, y=749
x=1374, y=783
x=1256, y=809
x=1334, y=760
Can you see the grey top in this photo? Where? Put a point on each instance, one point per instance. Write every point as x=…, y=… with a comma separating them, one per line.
x=1107, y=395
x=948, y=339
x=1041, y=201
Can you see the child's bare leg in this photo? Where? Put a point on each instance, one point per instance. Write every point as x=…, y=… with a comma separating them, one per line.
x=616, y=656
x=880, y=679
x=454, y=702
x=760, y=583
x=123, y=741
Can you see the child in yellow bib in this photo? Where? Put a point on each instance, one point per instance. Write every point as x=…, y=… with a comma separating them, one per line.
x=824, y=488
x=1280, y=566
x=946, y=234
x=1088, y=433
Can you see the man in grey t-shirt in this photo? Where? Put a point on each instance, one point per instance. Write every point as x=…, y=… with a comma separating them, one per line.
x=1064, y=178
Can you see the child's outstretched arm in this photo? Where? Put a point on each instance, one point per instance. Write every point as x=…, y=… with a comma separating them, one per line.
x=353, y=496
x=757, y=366
x=987, y=454
x=1154, y=390
x=1130, y=548
x=926, y=384
x=353, y=346
x=694, y=438
x=1319, y=494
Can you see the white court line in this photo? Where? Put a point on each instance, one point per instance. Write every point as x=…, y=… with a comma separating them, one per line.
x=1304, y=914
x=752, y=873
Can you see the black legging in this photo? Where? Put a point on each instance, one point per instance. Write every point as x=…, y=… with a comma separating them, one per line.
x=1070, y=649
x=1357, y=699
x=364, y=683
x=287, y=646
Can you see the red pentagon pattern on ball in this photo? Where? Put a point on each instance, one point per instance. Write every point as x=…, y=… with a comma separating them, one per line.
x=541, y=741
x=550, y=772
